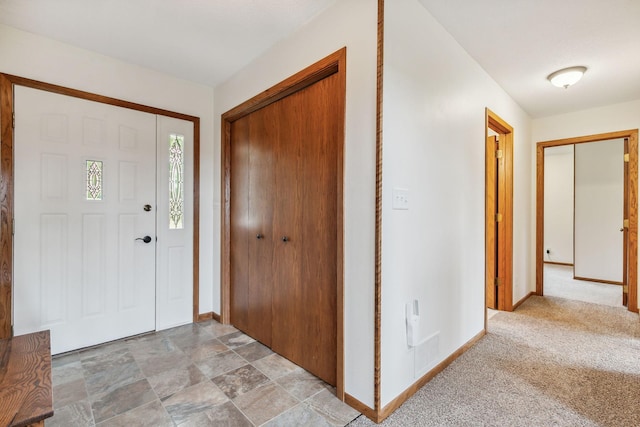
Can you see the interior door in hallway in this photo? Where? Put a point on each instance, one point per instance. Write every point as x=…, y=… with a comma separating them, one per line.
x=498, y=213
x=491, y=238
x=599, y=211
x=284, y=180
x=84, y=172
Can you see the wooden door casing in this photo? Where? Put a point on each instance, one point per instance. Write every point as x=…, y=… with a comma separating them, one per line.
x=501, y=225
x=625, y=228
x=490, y=237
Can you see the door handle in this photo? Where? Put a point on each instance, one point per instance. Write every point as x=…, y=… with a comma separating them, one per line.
x=285, y=239
x=145, y=239
x=259, y=236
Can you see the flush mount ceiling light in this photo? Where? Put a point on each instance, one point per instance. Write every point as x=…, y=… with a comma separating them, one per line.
x=567, y=76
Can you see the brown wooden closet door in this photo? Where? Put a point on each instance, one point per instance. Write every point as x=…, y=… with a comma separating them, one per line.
x=239, y=252
x=251, y=230
x=304, y=294
x=319, y=226
x=261, y=188
x=284, y=178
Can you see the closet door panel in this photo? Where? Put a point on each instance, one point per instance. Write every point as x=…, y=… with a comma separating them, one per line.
x=305, y=318
x=263, y=134
x=289, y=320
x=239, y=218
x=318, y=179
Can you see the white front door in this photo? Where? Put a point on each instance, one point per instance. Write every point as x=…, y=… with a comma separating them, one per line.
x=84, y=173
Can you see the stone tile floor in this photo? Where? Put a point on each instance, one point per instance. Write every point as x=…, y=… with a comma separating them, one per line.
x=202, y=374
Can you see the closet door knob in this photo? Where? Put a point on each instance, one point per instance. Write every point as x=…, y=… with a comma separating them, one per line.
x=259, y=236
x=285, y=239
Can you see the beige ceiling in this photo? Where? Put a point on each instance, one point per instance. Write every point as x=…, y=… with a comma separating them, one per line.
x=518, y=42
x=205, y=41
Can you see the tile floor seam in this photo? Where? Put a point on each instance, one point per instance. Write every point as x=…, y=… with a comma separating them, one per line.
x=287, y=391
x=144, y=404
x=89, y=400
x=135, y=360
x=242, y=412
x=84, y=379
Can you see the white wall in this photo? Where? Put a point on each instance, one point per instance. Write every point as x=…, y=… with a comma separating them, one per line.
x=351, y=23
x=28, y=55
x=610, y=118
x=435, y=96
x=558, y=204
x=599, y=212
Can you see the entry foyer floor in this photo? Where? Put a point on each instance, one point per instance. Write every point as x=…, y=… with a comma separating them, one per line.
x=201, y=374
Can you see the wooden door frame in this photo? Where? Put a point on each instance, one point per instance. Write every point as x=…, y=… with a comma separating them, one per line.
x=332, y=64
x=632, y=197
x=7, y=85
x=505, y=290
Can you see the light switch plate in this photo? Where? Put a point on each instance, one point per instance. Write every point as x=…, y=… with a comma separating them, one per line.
x=400, y=199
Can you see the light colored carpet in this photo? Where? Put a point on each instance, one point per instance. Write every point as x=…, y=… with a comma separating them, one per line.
x=552, y=362
x=558, y=282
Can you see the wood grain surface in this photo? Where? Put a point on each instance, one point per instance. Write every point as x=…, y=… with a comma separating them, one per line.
x=25, y=380
x=377, y=340
x=490, y=225
x=274, y=204
x=6, y=205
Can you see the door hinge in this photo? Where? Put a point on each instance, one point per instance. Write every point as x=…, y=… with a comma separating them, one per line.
x=626, y=157
x=498, y=217
x=498, y=154
x=625, y=289
x=13, y=120
x=625, y=223
x=497, y=281
x=13, y=227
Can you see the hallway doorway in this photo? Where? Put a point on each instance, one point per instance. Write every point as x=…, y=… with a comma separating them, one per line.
x=498, y=213
x=627, y=220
